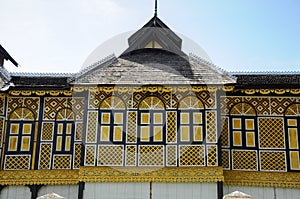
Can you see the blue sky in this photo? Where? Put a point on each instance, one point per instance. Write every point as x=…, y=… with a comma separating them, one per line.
x=238, y=35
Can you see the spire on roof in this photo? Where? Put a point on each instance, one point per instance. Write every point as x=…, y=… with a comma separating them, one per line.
x=155, y=10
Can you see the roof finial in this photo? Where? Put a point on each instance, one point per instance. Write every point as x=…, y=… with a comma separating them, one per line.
x=155, y=11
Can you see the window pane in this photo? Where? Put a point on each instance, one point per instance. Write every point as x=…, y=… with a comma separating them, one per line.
x=237, y=124
x=292, y=122
x=69, y=128
x=293, y=138
x=13, y=142
x=58, y=143
x=198, y=133
x=249, y=124
x=25, y=143
x=250, y=139
x=26, y=128
x=118, y=119
x=185, y=134
x=145, y=118
x=104, y=133
x=105, y=118
x=14, y=128
x=294, y=159
x=68, y=143
x=158, y=118
x=158, y=133
x=118, y=132
x=184, y=118
x=144, y=133
x=237, y=138
x=60, y=129
x=197, y=118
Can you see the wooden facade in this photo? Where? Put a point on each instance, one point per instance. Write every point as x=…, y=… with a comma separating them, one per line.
x=173, y=119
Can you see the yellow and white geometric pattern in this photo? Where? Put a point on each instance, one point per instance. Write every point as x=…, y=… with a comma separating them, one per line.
x=212, y=155
x=47, y=131
x=17, y=162
x=110, y=155
x=271, y=133
x=171, y=127
x=54, y=104
x=211, y=127
x=30, y=103
x=172, y=155
x=45, y=156
x=77, y=156
x=2, y=120
x=92, y=124
x=226, y=159
x=131, y=127
x=225, y=132
x=151, y=155
x=192, y=155
x=131, y=154
x=244, y=160
x=272, y=161
x=90, y=155
x=62, y=162
x=2, y=105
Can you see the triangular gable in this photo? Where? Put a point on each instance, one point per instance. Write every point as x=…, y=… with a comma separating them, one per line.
x=155, y=34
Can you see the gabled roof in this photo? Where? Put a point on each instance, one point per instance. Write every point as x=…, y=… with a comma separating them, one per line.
x=160, y=62
x=6, y=56
x=157, y=31
x=154, y=66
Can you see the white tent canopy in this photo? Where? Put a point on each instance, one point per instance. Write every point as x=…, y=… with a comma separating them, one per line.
x=51, y=196
x=237, y=195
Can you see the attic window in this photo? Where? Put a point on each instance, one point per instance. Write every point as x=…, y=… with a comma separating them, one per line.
x=153, y=44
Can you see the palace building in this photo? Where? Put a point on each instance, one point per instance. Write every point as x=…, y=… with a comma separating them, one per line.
x=154, y=122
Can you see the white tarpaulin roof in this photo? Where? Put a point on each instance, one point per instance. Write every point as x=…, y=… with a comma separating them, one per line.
x=51, y=196
x=236, y=194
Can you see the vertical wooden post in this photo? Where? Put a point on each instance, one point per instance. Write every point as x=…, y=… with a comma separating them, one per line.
x=151, y=190
x=81, y=189
x=34, y=189
x=220, y=190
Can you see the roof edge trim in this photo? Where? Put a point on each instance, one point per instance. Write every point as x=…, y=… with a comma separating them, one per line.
x=5, y=73
x=212, y=66
x=264, y=72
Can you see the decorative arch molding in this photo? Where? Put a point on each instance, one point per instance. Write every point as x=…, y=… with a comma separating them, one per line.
x=22, y=113
x=191, y=102
x=292, y=110
x=112, y=102
x=65, y=114
x=243, y=108
x=151, y=102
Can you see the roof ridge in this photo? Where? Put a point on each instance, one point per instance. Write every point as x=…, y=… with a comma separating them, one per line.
x=95, y=65
x=41, y=74
x=264, y=72
x=212, y=66
x=5, y=73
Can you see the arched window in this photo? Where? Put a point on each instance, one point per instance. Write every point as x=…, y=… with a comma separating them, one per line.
x=151, y=120
x=19, y=139
x=191, y=119
x=111, y=119
x=292, y=126
x=20, y=131
x=64, y=131
x=243, y=126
